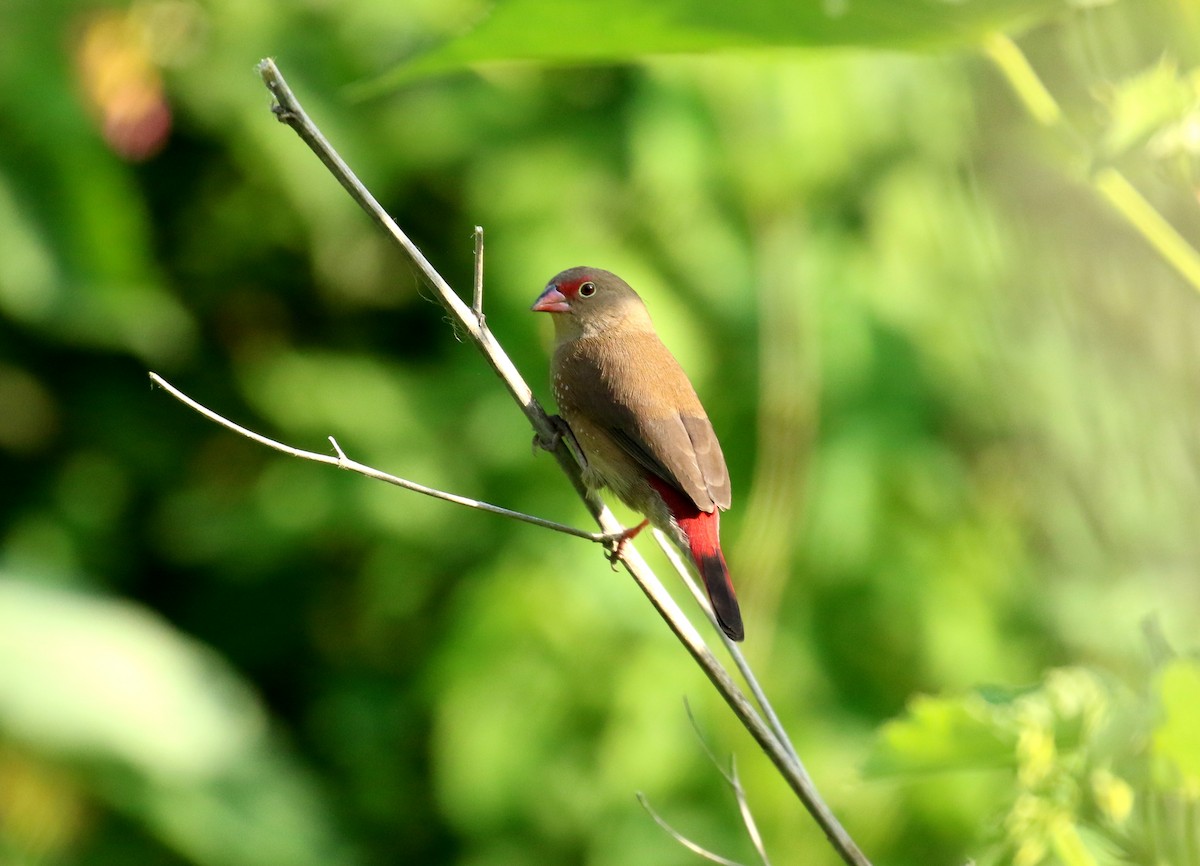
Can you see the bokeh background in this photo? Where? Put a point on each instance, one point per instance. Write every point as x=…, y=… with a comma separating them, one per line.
x=956, y=382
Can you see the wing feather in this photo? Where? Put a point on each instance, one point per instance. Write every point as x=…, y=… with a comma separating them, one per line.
x=656, y=419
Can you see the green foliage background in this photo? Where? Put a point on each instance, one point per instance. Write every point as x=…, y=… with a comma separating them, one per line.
x=957, y=391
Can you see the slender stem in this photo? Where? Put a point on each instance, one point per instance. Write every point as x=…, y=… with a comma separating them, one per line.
x=477, y=304
x=1170, y=244
x=735, y=784
x=1022, y=78
x=344, y=462
x=288, y=110
x=735, y=652
x=747, y=815
x=680, y=838
x=1108, y=181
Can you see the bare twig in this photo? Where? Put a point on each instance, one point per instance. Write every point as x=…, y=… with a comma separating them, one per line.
x=735, y=784
x=344, y=462
x=703, y=741
x=288, y=110
x=477, y=303
x=747, y=816
x=672, y=554
x=680, y=838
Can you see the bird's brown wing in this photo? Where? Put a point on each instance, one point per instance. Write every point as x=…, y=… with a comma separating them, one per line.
x=680, y=449
x=656, y=419
x=709, y=458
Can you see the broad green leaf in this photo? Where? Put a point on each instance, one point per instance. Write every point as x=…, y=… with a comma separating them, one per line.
x=603, y=31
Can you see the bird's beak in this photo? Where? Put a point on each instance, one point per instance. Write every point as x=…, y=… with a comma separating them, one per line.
x=551, y=301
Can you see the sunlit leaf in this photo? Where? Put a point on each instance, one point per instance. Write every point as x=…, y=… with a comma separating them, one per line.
x=600, y=31
x=1145, y=104
x=1176, y=737
x=940, y=734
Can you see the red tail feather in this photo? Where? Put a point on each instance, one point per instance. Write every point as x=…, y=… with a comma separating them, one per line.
x=703, y=532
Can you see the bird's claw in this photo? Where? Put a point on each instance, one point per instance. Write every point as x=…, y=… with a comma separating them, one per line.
x=561, y=433
x=616, y=542
x=549, y=442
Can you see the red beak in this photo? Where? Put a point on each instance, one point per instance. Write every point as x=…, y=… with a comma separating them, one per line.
x=551, y=301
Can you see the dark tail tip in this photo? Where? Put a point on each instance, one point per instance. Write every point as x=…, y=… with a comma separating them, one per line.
x=720, y=594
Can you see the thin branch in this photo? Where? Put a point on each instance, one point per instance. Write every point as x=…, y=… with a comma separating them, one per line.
x=1128, y=201
x=733, y=781
x=703, y=741
x=747, y=816
x=288, y=110
x=735, y=651
x=680, y=838
x=1011, y=61
x=344, y=462
x=477, y=303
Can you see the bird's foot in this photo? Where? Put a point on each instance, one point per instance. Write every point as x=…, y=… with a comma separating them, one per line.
x=618, y=540
x=548, y=442
x=561, y=433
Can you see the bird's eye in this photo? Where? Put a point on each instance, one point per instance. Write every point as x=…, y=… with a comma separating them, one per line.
x=586, y=290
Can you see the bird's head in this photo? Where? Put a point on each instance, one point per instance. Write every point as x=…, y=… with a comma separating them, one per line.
x=589, y=302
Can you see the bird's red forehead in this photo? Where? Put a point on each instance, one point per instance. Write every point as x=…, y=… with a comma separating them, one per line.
x=570, y=286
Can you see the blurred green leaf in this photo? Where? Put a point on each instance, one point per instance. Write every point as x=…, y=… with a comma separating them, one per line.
x=158, y=727
x=107, y=680
x=603, y=31
x=938, y=734
x=1177, y=737
x=1142, y=106
x=1074, y=847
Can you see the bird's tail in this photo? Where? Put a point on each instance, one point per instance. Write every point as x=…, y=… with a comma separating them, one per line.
x=702, y=533
x=704, y=540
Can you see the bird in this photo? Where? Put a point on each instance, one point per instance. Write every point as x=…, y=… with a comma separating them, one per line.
x=638, y=422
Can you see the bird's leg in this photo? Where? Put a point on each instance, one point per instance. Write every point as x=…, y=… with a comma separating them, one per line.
x=562, y=433
x=619, y=539
x=549, y=443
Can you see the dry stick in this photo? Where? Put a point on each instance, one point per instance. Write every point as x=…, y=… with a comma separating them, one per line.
x=747, y=816
x=477, y=297
x=680, y=838
x=344, y=462
x=735, y=784
x=288, y=110
x=672, y=554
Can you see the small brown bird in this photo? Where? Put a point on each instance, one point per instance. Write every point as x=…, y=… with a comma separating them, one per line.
x=638, y=421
